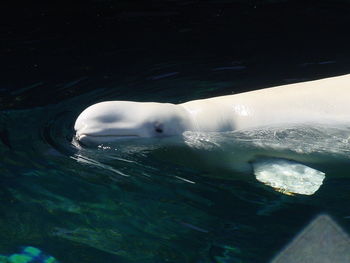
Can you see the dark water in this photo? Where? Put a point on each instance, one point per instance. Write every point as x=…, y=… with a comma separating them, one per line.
x=100, y=206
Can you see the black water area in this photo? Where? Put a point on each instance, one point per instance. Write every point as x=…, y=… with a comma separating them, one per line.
x=125, y=204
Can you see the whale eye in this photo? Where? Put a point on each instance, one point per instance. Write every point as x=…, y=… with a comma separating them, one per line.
x=158, y=127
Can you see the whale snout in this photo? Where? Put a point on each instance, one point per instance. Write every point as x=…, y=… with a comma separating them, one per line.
x=91, y=130
x=87, y=135
x=86, y=139
x=108, y=122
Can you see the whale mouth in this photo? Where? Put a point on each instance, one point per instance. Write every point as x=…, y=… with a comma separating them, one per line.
x=92, y=137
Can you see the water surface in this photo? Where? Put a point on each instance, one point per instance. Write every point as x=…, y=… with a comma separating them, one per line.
x=145, y=202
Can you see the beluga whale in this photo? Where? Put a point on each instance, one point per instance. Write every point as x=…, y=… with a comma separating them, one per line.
x=312, y=103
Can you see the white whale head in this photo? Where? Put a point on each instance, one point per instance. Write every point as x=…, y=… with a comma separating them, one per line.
x=113, y=120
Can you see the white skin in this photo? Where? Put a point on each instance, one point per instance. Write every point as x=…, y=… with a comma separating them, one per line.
x=113, y=120
x=322, y=101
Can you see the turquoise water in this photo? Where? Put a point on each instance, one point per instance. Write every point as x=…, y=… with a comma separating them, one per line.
x=148, y=202
x=126, y=204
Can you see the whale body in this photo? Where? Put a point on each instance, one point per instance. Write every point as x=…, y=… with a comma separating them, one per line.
x=319, y=102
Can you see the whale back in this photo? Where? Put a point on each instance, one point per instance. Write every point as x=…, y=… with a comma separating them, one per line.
x=320, y=101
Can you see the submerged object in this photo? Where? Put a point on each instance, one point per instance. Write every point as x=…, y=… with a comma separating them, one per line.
x=28, y=254
x=322, y=241
x=288, y=177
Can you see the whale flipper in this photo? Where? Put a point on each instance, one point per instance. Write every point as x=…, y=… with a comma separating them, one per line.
x=288, y=177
